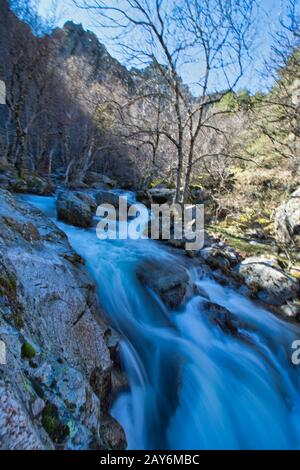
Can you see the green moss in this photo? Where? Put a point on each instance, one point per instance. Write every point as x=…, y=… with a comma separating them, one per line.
x=57, y=431
x=27, y=351
x=8, y=285
x=157, y=181
x=241, y=245
x=19, y=185
x=18, y=320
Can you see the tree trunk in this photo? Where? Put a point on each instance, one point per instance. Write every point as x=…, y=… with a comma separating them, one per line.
x=188, y=174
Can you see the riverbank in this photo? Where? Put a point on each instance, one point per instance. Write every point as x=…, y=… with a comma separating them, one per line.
x=56, y=384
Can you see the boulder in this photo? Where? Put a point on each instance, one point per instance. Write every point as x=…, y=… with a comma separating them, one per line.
x=162, y=195
x=287, y=219
x=31, y=184
x=73, y=210
x=18, y=185
x=219, y=258
x=156, y=196
x=38, y=185
x=199, y=195
x=88, y=198
x=169, y=280
x=98, y=180
x=291, y=309
x=107, y=197
x=54, y=332
x=267, y=280
x=221, y=317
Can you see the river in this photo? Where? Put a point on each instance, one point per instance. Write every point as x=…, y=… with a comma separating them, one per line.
x=191, y=386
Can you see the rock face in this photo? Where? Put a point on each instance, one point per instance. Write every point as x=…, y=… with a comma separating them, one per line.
x=287, y=219
x=55, y=387
x=168, y=280
x=268, y=281
x=72, y=209
x=74, y=41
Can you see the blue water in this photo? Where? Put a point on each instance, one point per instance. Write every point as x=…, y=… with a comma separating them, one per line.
x=191, y=386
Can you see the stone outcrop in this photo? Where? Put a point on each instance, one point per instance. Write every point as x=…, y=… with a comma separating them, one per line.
x=55, y=386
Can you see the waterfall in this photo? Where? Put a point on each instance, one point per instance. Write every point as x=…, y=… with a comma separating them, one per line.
x=191, y=385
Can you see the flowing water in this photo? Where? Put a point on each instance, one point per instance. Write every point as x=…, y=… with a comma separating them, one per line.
x=191, y=385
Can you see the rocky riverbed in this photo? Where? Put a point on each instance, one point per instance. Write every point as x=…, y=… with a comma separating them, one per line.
x=62, y=358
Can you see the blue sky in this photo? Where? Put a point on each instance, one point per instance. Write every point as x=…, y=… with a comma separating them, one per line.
x=269, y=15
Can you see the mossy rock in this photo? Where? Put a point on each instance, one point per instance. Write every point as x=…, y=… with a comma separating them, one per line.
x=27, y=351
x=8, y=286
x=18, y=320
x=38, y=185
x=57, y=430
x=18, y=185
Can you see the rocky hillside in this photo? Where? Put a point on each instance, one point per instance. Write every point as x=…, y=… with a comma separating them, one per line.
x=56, y=385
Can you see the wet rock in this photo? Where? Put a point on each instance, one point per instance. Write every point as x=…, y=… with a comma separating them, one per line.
x=38, y=185
x=73, y=210
x=106, y=197
x=217, y=258
x=31, y=184
x=267, y=280
x=168, y=280
x=287, y=219
x=113, y=436
x=18, y=185
x=59, y=316
x=88, y=199
x=291, y=309
x=221, y=317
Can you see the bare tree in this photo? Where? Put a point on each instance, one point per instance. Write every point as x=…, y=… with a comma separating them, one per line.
x=210, y=37
x=278, y=113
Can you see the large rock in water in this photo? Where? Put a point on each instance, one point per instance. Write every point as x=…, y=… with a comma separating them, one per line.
x=287, y=219
x=73, y=209
x=107, y=197
x=221, y=317
x=270, y=283
x=55, y=389
x=170, y=281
